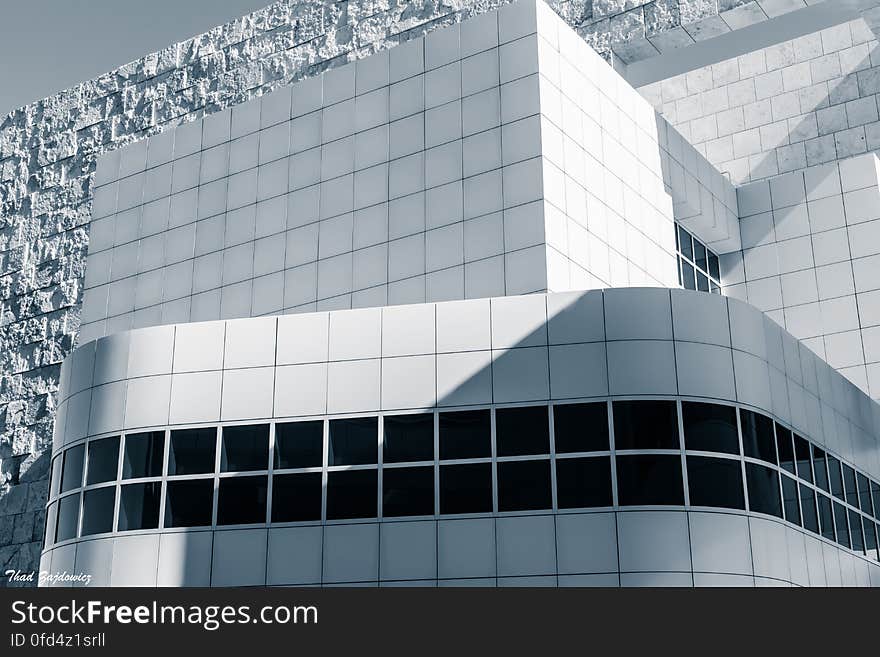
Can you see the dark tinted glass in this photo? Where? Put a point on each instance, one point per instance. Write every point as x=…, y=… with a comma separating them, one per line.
x=522, y=431
x=840, y=525
x=296, y=497
x=785, y=449
x=73, y=468
x=581, y=427
x=245, y=448
x=715, y=482
x=192, y=451
x=702, y=282
x=802, y=456
x=714, y=269
x=466, y=488
x=242, y=500
x=684, y=243
x=299, y=444
x=103, y=460
x=524, y=485
x=700, y=255
x=834, y=477
x=808, y=509
x=351, y=494
x=68, y=517
x=820, y=469
x=408, y=491
x=864, y=493
x=139, y=506
x=826, y=519
x=354, y=441
x=465, y=435
x=51, y=522
x=55, y=477
x=710, y=427
x=763, y=485
x=757, y=435
x=409, y=438
x=649, y=479
x=645, y=425
x=790, y=500
x=849, y=485
x=188, y=503
x=583, y=482
x=871, y=539
x=855, y=531
x=98, y=507
x=688, y=275
x=875, y=496
x=144, y=453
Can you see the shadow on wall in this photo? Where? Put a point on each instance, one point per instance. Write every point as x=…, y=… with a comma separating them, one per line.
x=23, y=521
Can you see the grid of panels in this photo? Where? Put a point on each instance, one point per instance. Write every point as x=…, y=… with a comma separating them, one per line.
x=496, y=460
x=698, y=266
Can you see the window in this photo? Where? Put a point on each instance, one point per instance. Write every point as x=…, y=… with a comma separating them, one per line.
x=51, y=522
x=763, y=485
x=188, y=503
x=583, y=482
x=710, y=427
x=55, y=477
x=522, y=431
x=408, y=491
x=790, y=500
x=864, y=493
x=192, y=451
x=353, y=441
x=834, y=477
x=245, y=448
x=465, y=435
x=466, y=488
x=785, y=449
x=849, y=486
x=645, y=425
x=855, y=531
x=871, y=539
x=242, y=500
x=103, y=460
x=875, y=496
x=695, y=258
x=757, y=435
x=808, y=509
x=649, y=479
x=144, y=453
x=139, y=506
x=581, y=427
x=820, y=469
x=715, y=482
x=524, y=485
x=802, y=456
x=71, y=477
x=98, y=507
x=296, y=497
x=826, y=519
x=408, y=438
x=840, y=524
x=299, y=445
x=351, y=494
x=68, y=518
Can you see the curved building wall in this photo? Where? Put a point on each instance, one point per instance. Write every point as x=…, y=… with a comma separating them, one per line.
x=481, y=471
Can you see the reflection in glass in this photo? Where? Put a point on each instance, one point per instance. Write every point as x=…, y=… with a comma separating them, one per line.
x=802, y=456
x=68, y=518
x=144, y=453
x=763, y=485
x=790, y=500
x=855, y=531
x=864, y=493
x=840, y=525
x=826, y=519
x=103, y=460
x=834, y=477
x=757, y=436
x=139, y=506
x=849, y=486
x=785, y=449
x=808, y=509
x=72, y=474
x=820, y=468
x=98, y=507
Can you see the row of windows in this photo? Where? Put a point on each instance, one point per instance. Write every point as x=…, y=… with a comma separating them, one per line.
x=698, y=266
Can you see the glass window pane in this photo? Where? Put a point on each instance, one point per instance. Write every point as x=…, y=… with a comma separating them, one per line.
x=763, y=485
x=192, y=451
x=790, y=500
x=139, y=506
x=296, y=497
x=242, y=500
x=645, y=425
x=354, y=441
x=144, y=454
x=678, y=269
x=98, y=507
x=522, y=431
x=714, y=269
x=702, y=282
x=849, y=485
x=808, y=509
x=103, y=460
x=299, y=444
x=802, y=456
x=826, y=520
x=872, y=541
x=864, y=493
x=408, y=438
x=835, y=477
x=649, y=479
x=465, y=435
x=466, y=488
x=687, y=276
x=51, y=523
x=757, y=436
x=840, y=525
x=684, y=243
x=715, y=482
x=68, y=518
x=875, y=496
x=700, y=255
x=352, y=494
x=713, y=288
x=855, y=531
x=785, y=449
x=55, y=486
x=583, y=482
x=710, y=427
x=73, y=468
x=581, y=427
x=408, y=491
x=524, y=485
x=245, y=448
x=820, y=469
x=188, y=503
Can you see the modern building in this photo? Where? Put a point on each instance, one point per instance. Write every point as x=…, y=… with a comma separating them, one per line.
x=471, y=306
